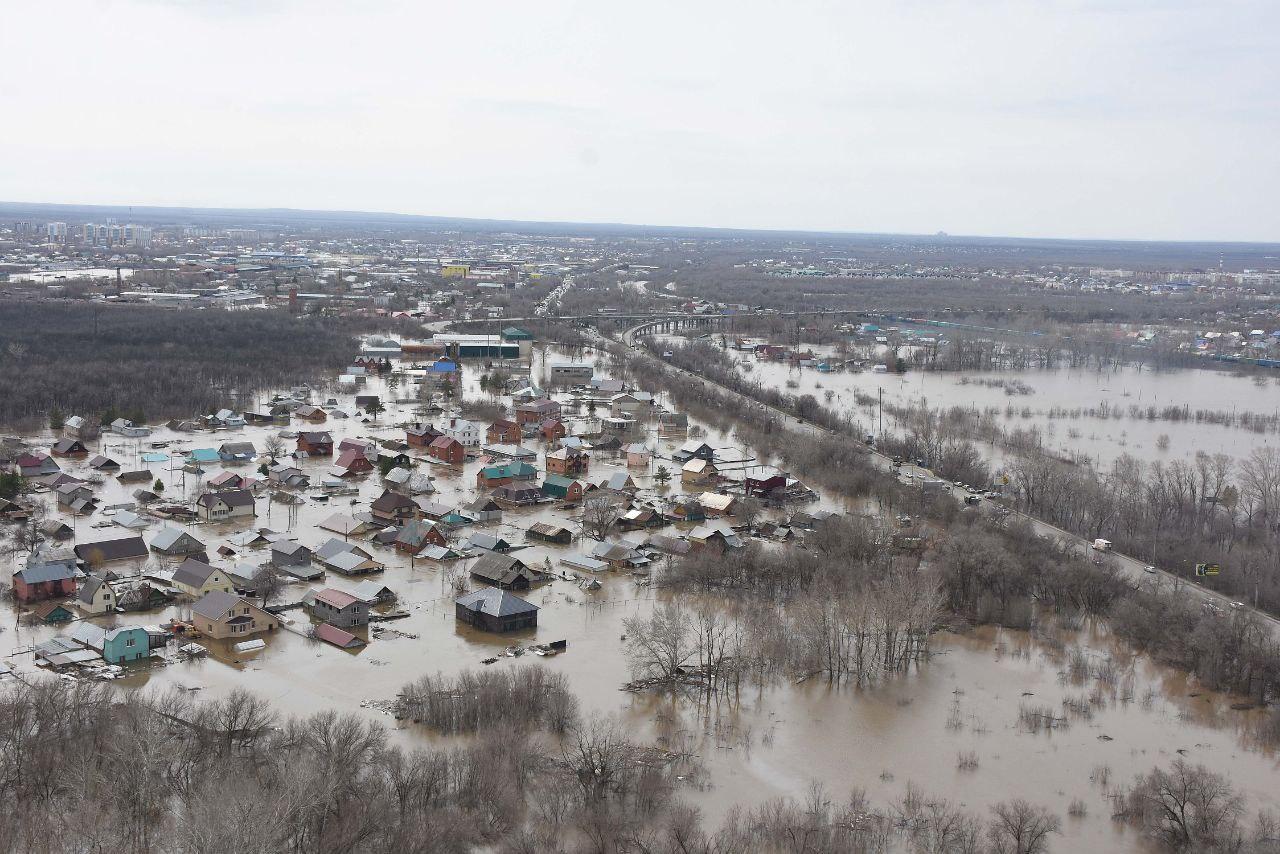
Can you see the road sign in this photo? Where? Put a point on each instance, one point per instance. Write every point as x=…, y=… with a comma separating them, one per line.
x=1204, y=569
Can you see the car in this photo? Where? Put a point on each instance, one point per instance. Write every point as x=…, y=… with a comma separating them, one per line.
x=1151, y=570
x=1236, y=606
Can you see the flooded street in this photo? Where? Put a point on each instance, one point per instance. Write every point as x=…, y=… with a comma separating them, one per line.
x=770, y=741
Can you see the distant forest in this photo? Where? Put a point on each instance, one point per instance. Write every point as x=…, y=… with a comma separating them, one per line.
x=91, y=359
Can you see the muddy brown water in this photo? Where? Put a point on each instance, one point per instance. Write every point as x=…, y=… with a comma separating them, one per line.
x=768, y=741
x=1101, y=439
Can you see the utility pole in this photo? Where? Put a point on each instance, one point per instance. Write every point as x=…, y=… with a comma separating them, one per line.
x=882, y=410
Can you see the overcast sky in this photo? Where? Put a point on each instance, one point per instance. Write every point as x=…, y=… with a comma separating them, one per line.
x=1072, y=119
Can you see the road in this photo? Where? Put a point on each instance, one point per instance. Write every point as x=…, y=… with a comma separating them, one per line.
x=1132, y=568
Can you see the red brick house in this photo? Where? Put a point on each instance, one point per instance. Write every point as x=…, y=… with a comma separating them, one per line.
x=552, y=430
x=316, y=443
x=447, y=450
x=567, y=461
x=51, y=578
x=537, y=411
x=503, y=432
x=421, y=435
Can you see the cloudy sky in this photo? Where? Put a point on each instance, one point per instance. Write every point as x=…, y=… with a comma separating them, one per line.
x=1074, y=119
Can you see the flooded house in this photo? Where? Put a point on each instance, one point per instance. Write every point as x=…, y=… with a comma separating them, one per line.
x=102, y=552
x=220, y=615
x=226, y=505
x=495, y=610
x=96, y=596
x=47, y=575
x=315, y=443
x=503, y=571
x=447, y=449
x=339, y=608
x=174, y=541
x=196, y=578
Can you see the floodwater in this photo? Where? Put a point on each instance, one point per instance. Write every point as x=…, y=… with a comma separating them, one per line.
x=1066, y=405
x=767, y=742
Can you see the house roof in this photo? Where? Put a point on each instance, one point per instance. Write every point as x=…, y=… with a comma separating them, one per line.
x=40, y=571
x=123, y=548
x=193, y=573
x=336, y=636
x=90, y=588
x=495, y=603
x=339, y=599
x=238, y=448
x=558, y=480
x=500, y=569
x=216, y=605
x=350, y=457
x=314, y=437
x=230, y=497
x=368, y=591
x=167, y=538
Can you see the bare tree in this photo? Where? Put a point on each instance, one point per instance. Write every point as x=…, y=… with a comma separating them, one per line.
x=268, y=583
x=1018, y=827
x=658, y=647
x=599, y=513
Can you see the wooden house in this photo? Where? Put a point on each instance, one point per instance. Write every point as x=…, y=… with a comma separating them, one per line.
x=69, y=448
x=421, y=435
x=503, y=571
x=315, y=443
x=496, y=611
x=392, y=508
x=174, y=541
x=547, y=533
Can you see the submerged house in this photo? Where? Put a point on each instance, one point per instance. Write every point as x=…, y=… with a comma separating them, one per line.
x=227, y=504
x=339, y=608
x=504, y=572
x=50, y=575
x=196, y=578
x=222, y=615
x=495, y=611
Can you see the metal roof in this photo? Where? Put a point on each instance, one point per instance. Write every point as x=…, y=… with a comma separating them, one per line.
x=496, y=603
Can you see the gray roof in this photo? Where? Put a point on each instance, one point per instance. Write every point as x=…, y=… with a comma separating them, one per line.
x=90, y=588
x=333, y=547
x=123, y=548
x=193, y=573
x=231, y=497
x=481, y=540
x=215, y=605
x=167, y=538
x=47, y=569
x=496, y=603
